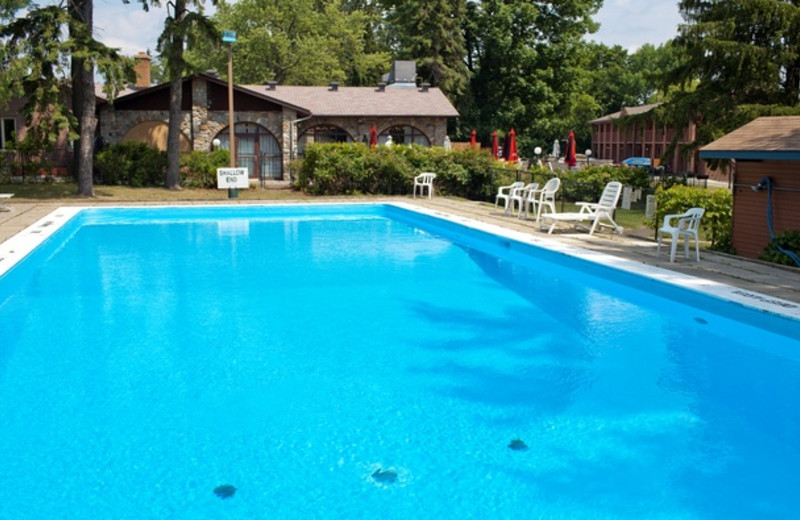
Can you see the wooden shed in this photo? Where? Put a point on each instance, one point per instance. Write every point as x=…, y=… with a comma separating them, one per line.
x=768, y=147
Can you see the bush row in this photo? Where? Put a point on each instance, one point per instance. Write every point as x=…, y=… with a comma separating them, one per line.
x=343, y=169
x=137, y=164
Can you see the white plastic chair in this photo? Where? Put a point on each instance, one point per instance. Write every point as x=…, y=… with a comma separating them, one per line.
x=505, y=192
x=538, y=199
x=519, y=196
x=422, y=181
x=686, y=225
x=594, y=211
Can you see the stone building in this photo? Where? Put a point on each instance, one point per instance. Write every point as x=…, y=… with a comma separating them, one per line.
x=274, y=123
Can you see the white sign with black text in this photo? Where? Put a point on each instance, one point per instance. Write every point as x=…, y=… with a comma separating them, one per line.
x=232, y=178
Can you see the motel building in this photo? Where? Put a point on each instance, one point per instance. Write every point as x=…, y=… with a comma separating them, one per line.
x=274, y=123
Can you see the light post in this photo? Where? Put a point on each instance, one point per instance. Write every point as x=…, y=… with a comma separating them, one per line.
x=588, y=156
x=538, y=152
x=229, y=37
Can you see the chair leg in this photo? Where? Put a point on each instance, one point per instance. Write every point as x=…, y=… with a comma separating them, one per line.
x=697, y=248
x=673, y=248
x=658, y=249
x=594, y=225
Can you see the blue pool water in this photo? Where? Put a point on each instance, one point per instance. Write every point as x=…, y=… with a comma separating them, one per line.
x=149, y=356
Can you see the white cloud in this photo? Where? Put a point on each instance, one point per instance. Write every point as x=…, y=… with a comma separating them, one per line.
x=128, y=27
x=633, y=24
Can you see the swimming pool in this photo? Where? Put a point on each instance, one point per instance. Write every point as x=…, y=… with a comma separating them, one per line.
x=363, y=361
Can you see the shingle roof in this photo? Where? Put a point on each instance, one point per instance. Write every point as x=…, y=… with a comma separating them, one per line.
x=626, y=111
x=774, y=137
x=362, y=101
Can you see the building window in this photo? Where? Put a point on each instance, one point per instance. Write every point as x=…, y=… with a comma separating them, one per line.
x=256, y=149
x=7, y=131
x=321, y=134
x=404, y=135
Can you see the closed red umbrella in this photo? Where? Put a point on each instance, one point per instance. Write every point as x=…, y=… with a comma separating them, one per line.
x=495, y=148
x=512, y=155
x=473, y=140
x=570, y=156
x=373, y=136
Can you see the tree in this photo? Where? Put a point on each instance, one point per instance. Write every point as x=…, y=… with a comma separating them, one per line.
x=529, y=68
x=303, y=42
x=430, y=32
x=741, y=59
x=182, y=27
x=83, y=95
x=33, y=65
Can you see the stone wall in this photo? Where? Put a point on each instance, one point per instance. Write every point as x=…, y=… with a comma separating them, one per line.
x=434, y=128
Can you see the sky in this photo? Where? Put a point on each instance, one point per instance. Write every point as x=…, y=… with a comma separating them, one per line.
x=628, y=23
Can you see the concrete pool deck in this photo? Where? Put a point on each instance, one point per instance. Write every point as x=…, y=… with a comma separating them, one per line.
x=750, y=275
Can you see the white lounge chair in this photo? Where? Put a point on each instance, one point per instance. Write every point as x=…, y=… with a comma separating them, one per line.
x=538, y=199
x=594, y=211
x=505, y=192
x=686, y=226
x=519, y=196
x=424, y=181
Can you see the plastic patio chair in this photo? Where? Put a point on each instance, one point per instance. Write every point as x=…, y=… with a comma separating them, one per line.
x=685, y=225
x=505, y=192
x=538, y=199
x=424, y=181
x=519, y=196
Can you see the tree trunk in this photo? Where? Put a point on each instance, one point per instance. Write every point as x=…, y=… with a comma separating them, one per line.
x=85, y=155
x=83, y=97
x=173, y=180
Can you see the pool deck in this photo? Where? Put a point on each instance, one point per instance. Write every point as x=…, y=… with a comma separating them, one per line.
x=750, y=275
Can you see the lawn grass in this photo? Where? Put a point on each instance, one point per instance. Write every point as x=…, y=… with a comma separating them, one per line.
x=68, y=190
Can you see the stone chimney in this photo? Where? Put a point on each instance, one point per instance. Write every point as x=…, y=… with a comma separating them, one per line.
x=142, y=68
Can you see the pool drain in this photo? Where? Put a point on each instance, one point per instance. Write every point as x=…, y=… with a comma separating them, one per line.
x=518, y=445
x=225, y=491
x=385, y=476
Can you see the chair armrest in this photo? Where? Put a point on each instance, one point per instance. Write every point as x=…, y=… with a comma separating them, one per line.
x=673, y=216
x=588, y=207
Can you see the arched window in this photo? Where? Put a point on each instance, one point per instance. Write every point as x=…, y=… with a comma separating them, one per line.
x=404, y=134
x=321, y=134
x=256, y=149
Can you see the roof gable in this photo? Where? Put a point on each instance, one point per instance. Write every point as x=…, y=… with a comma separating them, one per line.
x=626, y=111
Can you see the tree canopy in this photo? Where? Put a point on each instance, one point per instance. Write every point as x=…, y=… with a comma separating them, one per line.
x=740, y=59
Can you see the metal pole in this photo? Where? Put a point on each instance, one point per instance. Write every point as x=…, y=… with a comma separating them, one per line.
x=232, y=192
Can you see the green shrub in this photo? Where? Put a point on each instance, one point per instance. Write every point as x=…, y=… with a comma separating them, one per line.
x=199, y=168
x=787, y=240
x=718, y=203
x=345, y=168
x=132, y=163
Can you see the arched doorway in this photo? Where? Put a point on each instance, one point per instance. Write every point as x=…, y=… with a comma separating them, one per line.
x=154, y=134
x=404, y=134
x=256, y=149
x=321, y=134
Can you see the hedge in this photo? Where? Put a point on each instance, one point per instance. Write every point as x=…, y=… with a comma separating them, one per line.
x=348, y=168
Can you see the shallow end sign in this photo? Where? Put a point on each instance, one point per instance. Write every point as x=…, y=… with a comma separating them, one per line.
x=228, y=178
